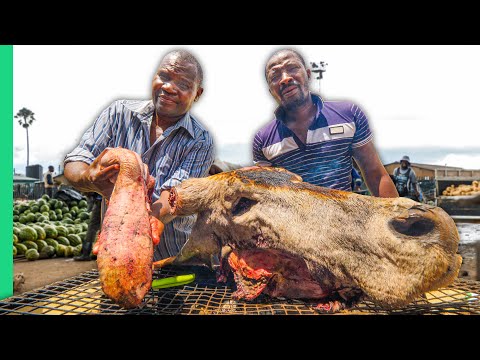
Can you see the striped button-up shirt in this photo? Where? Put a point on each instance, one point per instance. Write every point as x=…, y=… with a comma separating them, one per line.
x=184, y=150
x=326, y=157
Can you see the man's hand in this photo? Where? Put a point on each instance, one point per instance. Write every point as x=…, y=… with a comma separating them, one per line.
x=98, y=177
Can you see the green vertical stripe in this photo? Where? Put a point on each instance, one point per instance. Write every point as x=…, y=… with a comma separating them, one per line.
x=6, y=170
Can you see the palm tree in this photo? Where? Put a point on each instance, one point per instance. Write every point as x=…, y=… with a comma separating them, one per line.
x=26, y=119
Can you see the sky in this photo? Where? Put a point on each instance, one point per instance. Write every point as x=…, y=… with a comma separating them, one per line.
x=414, y=96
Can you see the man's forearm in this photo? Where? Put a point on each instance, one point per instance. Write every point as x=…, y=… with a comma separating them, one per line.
x=386, y=188
x=161, y=208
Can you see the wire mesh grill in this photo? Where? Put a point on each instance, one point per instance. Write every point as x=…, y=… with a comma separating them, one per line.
x=82, y=294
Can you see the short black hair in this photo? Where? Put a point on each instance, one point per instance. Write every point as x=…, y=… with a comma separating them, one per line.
x=189, y=58
x=294, y=52
x=51, y=167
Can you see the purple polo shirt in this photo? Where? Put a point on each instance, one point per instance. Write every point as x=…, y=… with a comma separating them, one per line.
x=326, y=158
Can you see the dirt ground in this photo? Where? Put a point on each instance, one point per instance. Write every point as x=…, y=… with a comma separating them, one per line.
x=40, y=273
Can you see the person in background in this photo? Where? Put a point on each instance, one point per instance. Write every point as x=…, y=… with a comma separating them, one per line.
x=95, y=205
x=48, y=181
x=406, y=180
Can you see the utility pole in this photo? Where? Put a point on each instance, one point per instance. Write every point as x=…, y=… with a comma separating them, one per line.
x=319, y=68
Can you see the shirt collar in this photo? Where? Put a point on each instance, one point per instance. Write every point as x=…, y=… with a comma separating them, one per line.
x=317, y=100
x=145, y=114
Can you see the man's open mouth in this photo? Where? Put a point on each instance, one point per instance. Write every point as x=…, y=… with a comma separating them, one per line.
x=290, y=90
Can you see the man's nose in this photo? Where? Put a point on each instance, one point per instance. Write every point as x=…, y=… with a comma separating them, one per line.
x=286, y=79
x=167, y=87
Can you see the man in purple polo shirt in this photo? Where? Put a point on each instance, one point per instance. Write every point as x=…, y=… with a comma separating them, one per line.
x=313, y=138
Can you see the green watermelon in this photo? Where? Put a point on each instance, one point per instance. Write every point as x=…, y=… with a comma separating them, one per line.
x=59, y=205
x=16, y=231
x=58, y=211
x=82, y=235
x=41, y=202
x=28, y=234
x=31, y=218
x=59, y=216
x=65, y=210
x=69, y=251
x=21, y=248
x=44, y=208
x=63, y=241
x=52, y=242
x=67, y=220
x=30, y=245
x=41, y=244
x=51, y=231
x=52, y=203
x=73, y=203
x=35, y=209
x=41, y=234
x=74, y=239
x=46, y=197
x=82, y=204
x=47, y=252
x=62, y=231
x=15, y=239
x=15, y=251
x=16, y=218
x=60, y=251
x=68, y=215
x=32, y=254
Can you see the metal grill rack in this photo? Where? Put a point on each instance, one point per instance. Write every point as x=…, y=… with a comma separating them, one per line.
x=83, y=295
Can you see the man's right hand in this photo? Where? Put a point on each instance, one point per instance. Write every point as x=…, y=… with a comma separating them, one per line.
x=99, y=177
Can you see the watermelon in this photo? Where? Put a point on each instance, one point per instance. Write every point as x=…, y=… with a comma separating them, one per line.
x=15, y=239
x=51, y=231
x=82, y=235
x=41, y=234
x=28, y=234
x=21, y=249
x=47, y=252
x=41, y=202
x=16, y=231
x=44, y=208
x=67, y=220
x=74, y=239
x=67, y=215
x=58, y=211
x=31, y=218
x=65, y=210
x=35, y=209
x=32, y=254
x=15, y=251
x=69, y=251
x=60, y=251
x=45, y=197
x=16, y=218
x=73, y=203
x=51, y=242
x=82, y=204
x=30, y=245
x=63, y=241
x=41, y=244
x=62, y=231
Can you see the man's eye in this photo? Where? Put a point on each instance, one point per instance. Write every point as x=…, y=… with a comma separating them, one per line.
x=184, y=86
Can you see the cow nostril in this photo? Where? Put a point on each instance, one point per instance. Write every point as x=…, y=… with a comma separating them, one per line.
x=413, y=226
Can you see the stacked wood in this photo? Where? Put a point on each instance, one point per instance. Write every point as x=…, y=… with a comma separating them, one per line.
x=462, y=189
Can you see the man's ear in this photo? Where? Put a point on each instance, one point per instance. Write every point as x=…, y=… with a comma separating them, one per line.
x=199, y=93
x=309, y=74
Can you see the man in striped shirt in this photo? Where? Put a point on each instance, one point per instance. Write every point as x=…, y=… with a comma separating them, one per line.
x=313, y=138
x=168, y=138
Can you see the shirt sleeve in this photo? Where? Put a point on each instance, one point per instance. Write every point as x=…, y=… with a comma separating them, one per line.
x=196, y=164
x=363, y=134
x=96, y=138
x=259, y=158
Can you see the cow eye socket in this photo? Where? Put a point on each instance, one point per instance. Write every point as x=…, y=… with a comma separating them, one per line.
x=242, y=206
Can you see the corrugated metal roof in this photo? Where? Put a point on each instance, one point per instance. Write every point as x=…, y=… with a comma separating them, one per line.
x=20, y=178
x=428, y=166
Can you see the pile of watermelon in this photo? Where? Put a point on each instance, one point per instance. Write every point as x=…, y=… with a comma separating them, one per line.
x=46, y=227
